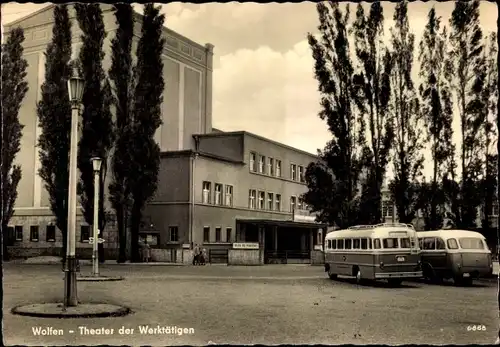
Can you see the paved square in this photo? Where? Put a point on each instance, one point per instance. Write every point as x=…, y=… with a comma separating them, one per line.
x=275, y=304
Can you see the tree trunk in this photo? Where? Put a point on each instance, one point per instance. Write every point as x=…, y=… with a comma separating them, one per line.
x=122, y=235
x=5, y=242
x=135, y=222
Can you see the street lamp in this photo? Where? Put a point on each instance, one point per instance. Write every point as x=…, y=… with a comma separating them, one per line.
x=75, y=91
x=96, y=163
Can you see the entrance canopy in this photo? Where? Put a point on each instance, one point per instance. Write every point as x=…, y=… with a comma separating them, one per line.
x=283, y=223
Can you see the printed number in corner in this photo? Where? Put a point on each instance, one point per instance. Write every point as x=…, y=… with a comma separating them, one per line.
x=476, y=328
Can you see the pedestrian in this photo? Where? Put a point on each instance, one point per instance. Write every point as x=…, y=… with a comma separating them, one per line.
x=203, y=256
x=196, y=254
x=146, y=252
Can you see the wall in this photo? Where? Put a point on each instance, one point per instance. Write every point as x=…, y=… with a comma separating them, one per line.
x=244, y=257
x=224, y=145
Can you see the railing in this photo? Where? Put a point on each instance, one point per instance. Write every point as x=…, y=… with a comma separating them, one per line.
x=282, y=257
x=402, y=225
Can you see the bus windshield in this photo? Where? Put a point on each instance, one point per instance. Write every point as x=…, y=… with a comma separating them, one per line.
x=471, y=243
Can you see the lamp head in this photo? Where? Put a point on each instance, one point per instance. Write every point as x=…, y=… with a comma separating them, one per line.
x=96, y=163
x=76, y=85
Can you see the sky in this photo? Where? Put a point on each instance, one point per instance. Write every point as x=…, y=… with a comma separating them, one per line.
x=263, y=79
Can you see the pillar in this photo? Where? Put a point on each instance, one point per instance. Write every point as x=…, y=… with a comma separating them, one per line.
x=275, y=238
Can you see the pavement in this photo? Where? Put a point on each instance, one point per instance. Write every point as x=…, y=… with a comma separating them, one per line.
x=275, y=304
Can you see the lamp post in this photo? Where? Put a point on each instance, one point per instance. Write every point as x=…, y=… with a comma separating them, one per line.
x=96, y=163
x=75, y=91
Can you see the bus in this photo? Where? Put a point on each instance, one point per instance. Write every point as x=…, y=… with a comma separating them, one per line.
x=387, y=251
x=460, y=255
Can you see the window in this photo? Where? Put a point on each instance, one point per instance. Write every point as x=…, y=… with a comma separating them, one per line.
x=19, y=232
x=151, y=239
x=452, y=244
x=369, y=243
x=270, y=166
x=278, y=168
x=320, y=236
x=218, y=193
x=364, y=243
x=340, y=244
x=390, y=243
x=34, y=233
x=301, y=174
x=84, y=233
x=206, y=234
x=494, y=209
x=228, y=197
x=356, y=244
x=206, y=192
x=262, y=161
x=376, y=244
x=421, y=243
x=334, y=244
x=262, y=196
x=299, y=204
x=251, y=198
x=252, y=161
x=228, y=234
x=293, y=201
x=270, y=201
x=387, y=209
x=174, y=234
x=217, y=234
x=293, y=172
x=440, y=243
x=404, y=243
x=348, y=244
x=471, y=243
x=429, y=243
x=329, y=244
x=50, y=233
x=277, y=202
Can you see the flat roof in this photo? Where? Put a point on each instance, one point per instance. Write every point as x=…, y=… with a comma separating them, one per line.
x=220, y=133
x=282, y=223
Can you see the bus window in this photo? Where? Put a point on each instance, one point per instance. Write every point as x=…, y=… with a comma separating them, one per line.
x=348, y=244
x=334, y=244
x=429, y=243
x=340, y=244
x=364, y=244
x=356, y=244
x=369, y=243
x=391, y=243
x=452, y=244
x=329, y=244
x=440, y=243
x=421, y=243
x=376, y=244
x=471, y=243
x=404, y=243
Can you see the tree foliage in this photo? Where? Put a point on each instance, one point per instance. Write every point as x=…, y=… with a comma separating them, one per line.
x=148, y=97
x=437, y=110
x=14, y=89
x=466, y=73
x=97, y=124
x=121, y=76
x=54, y=117
x=374, y=81
x=408, y=142
x=333, y=181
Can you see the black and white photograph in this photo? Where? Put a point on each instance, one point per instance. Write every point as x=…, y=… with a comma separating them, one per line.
x=247, y=173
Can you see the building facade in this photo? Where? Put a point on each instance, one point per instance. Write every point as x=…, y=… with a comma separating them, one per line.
x=215, y=189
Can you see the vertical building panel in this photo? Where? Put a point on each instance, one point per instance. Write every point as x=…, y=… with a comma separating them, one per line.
x=170, y=107
x=192, y=105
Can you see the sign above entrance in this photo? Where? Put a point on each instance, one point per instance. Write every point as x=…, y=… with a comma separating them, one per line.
x=304, y=218
x=246, y=245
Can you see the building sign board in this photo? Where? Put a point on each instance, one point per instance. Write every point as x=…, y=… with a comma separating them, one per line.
x=246, y=245
x=304, y=218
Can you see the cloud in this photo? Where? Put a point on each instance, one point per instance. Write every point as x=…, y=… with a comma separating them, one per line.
x=271, y=94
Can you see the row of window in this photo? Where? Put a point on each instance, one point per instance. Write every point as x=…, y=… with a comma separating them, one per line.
x=50, y=234
x=368, y=243
x=218, y=235
x=272, y=167
x=431, y=243
x=223, y=194
x=272, y=202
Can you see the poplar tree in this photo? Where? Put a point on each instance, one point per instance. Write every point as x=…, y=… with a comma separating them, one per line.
x=97, y=124
x=147, y=115
x=121, y=76
x=465, y=72
x=374, y=80
x=333, y=181
x=408, y=142
x=437, y=110
x=54, y=117
x=14, y=89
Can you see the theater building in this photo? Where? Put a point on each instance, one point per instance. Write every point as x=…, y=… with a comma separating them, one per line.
x=234, y=193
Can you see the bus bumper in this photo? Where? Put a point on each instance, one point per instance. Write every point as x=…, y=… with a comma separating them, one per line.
x=386, y=275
